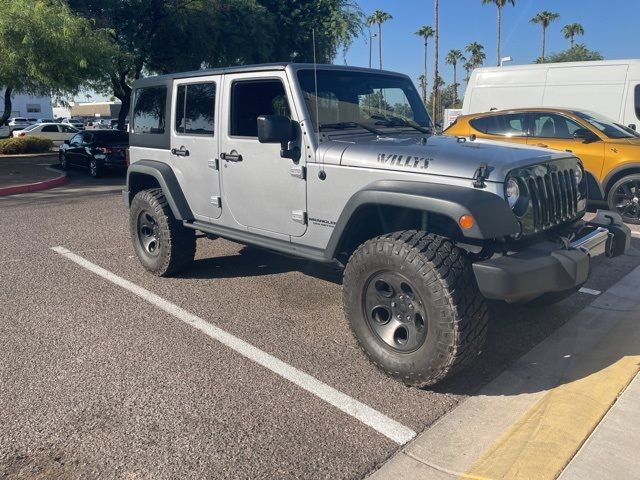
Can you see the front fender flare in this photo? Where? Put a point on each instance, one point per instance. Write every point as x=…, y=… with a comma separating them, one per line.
x=167, y=180
x=493, y=217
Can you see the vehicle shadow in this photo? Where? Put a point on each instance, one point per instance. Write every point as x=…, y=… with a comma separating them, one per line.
x=514, y=330
x=252, y=262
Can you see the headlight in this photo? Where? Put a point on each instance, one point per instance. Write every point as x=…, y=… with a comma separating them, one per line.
x=579, y=174
x=512, y=190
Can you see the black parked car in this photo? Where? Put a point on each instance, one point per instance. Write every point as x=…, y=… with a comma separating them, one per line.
x=96, y=150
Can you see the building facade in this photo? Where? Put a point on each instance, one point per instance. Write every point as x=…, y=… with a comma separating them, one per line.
x=29, y=106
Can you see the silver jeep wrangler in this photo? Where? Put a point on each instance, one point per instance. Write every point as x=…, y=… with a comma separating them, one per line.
x=339, y=165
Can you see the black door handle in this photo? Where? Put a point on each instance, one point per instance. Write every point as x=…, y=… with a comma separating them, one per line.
x=231, y=157
x=180, y=152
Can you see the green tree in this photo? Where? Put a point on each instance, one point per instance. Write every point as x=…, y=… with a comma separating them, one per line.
x=579, y=53
x=468, y=68
x=476, y=54
x=426, y=32
x=544, y=19
x=570, y=31
x=422, y=82
x=499, y=6
x=378, y=18
x=453, y=57
x=162, y=36
x=39, y=59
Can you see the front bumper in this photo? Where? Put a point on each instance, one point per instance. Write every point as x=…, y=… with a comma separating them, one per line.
x=546, y=267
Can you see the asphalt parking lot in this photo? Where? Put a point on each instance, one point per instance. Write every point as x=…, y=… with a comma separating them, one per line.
x=97, y=380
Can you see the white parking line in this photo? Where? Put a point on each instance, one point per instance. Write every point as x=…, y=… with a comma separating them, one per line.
x=589, y=291
x=635, y=234
x=367, y=415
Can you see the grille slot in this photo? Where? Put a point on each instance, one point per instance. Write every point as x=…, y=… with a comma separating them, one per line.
x=554, y=197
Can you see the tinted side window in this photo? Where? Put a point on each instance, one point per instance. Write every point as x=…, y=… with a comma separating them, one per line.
x=49, y=129
x=149, y=110
x=637, y=100
x=550, y=125
x=195, y=109
x=510, y=125
x=251, y=99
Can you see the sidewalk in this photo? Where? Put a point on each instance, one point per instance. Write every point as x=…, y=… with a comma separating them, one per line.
x=27, y=173
x=550, y=415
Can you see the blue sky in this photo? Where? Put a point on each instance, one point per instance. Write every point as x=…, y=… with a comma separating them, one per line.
x=610, y=27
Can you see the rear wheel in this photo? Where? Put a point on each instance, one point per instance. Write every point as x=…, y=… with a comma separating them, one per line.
x=163, y=245
x=413, y=304
x=624, y=198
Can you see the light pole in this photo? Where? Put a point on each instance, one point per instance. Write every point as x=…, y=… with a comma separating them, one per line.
x=371, y=37
x=504, y=60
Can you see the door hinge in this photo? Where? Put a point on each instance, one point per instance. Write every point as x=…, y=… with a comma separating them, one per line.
x=217, y=201
x=299, y=216
x=215, y=164
x=299, y=171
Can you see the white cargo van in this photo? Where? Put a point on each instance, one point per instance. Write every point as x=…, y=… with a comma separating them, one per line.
x=611, y=88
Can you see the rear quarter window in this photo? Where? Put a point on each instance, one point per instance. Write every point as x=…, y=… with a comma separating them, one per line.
x=149, y=111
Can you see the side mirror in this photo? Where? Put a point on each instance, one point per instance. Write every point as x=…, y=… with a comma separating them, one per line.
x=279, y=129
x=585, y=135
x=66, y=142
x=275, y=129
x=632, y=126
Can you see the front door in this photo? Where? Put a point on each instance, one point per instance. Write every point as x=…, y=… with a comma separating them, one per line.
x=194, y=145
x=551, y=130
x=262, y=190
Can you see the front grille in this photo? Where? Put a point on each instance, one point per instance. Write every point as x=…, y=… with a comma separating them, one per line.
x=553, y=196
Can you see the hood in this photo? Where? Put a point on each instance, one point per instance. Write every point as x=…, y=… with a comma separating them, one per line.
x=435, y=154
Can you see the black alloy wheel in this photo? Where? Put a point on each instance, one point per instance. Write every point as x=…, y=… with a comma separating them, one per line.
x=624, y=198
x=394, y=311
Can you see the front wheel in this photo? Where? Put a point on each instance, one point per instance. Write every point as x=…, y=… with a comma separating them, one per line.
x=62, y=159
x=624, y=198
x=163, y=245
x=413, y=304
x=95, y=170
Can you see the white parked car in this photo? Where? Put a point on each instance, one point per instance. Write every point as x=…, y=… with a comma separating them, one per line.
x=18, y=123
x=57, y=132
x=5, y=131
x=78, y=124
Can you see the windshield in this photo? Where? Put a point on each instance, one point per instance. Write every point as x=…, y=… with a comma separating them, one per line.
x=30, y=127
x=362, y=99
x=605, y=125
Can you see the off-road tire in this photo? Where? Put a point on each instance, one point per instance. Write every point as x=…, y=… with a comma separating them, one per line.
x=176, y=244
x=443, y=277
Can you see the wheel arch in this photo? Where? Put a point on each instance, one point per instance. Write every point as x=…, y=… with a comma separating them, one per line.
x=386, y=206
x=146, y=174
x=617, y=173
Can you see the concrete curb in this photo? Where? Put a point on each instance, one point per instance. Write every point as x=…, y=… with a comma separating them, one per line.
x=34, y=187
x=531, y=420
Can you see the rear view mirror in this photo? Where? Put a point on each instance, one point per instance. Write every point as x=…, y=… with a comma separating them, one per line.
x=585, y=135
x=275, y=129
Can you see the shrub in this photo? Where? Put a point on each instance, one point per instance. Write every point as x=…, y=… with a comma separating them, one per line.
x=13, y=146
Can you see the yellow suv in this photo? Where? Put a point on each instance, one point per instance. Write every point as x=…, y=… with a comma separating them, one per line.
x=610, y=152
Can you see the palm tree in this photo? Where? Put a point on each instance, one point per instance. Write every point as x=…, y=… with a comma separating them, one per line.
x=500, y=5
x=571, y=31
x=544, y=18
x=425, y=32
x=378, y=18
x=468, y=68
x=422, y=81
x=453, y=57
x=436, y=75
x=477, y=55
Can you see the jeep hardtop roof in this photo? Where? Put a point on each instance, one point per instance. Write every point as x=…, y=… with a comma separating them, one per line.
x=263, y=67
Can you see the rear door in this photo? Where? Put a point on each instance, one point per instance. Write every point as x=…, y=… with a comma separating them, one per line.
x=262, y=190
x=194, y=144
x=50, y=132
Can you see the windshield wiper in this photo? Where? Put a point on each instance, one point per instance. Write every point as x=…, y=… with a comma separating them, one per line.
x=392, y=121
x=343, y=125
